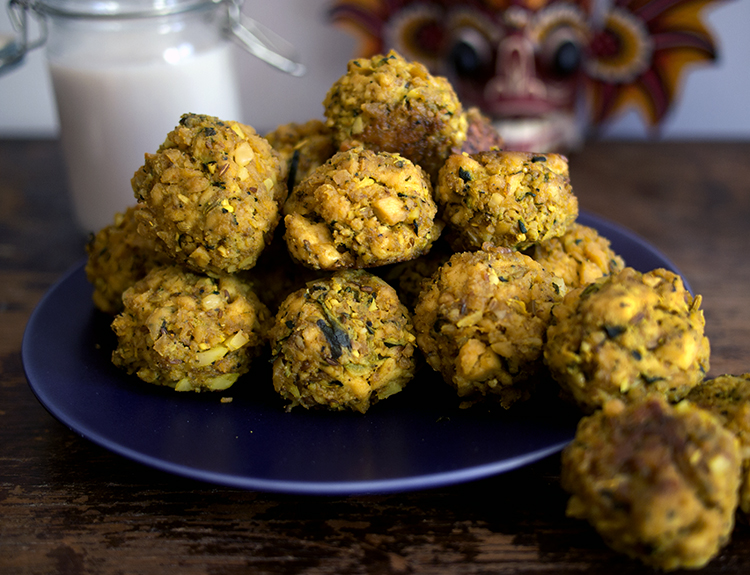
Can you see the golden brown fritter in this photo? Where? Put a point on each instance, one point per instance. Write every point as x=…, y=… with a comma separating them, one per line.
x=728, y=398
x=408, y=278
x=385, y=103
x=276, y=275
x=118, y=256
x=302, y=147
x=579, y=256
x=189, y=331
x=481, y=134
x=511, y=199
x=361, y=209
x=658, y=482
x=481, y=323
x=342, y=343
x=211, y=194
x=626, y=335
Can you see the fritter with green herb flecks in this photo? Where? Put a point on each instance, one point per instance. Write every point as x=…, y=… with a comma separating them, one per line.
x=118, y=256
x=189, y=331
x=625, y=335
x=385, y=103
x=510, y=199
x=303, y=147
x=579, y=256
x=481, y=321
x=211, y=194
x=342, y=343
x=658, y=482
x=276, y=274
x=409, y=278
x=728, y=398
x=481, y=134
x=361, y=209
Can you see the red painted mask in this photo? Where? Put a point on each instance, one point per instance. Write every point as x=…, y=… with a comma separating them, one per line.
x=528, y=63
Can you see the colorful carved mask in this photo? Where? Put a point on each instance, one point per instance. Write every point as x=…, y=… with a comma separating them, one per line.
x=530, y=65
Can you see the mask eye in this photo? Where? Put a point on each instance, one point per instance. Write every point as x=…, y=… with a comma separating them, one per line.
x=470, y=54
x=417, y=32
x=566, y=58
x=560, y=33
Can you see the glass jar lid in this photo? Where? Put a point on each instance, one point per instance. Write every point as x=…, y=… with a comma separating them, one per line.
x=249, y=34
x=119, y=8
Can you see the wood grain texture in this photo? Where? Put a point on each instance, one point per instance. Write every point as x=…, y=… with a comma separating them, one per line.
x=70, y=507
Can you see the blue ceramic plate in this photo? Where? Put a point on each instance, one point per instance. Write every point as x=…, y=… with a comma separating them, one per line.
x=416, y=439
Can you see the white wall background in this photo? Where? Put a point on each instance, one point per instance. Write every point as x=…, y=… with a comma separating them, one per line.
x=713, y=102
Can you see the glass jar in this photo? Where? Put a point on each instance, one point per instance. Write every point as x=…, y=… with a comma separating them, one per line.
x=123, y=73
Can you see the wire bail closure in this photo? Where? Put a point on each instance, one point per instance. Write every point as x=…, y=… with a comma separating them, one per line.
x=13, y=50
x=262, y=42
x=249, y=34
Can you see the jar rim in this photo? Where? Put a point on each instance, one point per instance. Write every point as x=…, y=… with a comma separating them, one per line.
x=120, y=8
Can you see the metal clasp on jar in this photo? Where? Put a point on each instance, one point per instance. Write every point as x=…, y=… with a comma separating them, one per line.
x=248, y=33
x=262, y=42
x=13, y=50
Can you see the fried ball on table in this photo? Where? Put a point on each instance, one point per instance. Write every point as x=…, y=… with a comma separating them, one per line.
x=211, y=194
x=361, y=209
x=626, y=335
x=385, y=103
x=579, y=256
x=511, y=199
x=189, y=331
x=657, y=481
x=118, y=256
x=342, y=343
x=481, y=321
x=302, y=147
x=728, y=398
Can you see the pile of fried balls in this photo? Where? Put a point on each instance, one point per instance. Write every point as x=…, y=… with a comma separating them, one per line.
x=397, y=230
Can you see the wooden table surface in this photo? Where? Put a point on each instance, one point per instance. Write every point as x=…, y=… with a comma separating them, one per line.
x=68, y=506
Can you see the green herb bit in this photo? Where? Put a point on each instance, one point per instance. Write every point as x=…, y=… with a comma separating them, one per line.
x=336, y=337
x=465, y=175
x=614, y=330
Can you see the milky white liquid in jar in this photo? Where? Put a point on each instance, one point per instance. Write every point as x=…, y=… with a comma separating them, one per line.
x=121, y=86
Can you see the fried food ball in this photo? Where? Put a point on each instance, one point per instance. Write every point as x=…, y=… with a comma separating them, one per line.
x=408, y=278
x=625, y=335
x=276, y=274
x=579, y=256
x=385, y=103
x=189, y=331
x=302, y=147
x=728, y=398
x=342, y=343
x=511, y=199
x=118, y=256
x=481, y=134
x=361, y=209
x=481, y=323
x=657, y=481
x=211, y=194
